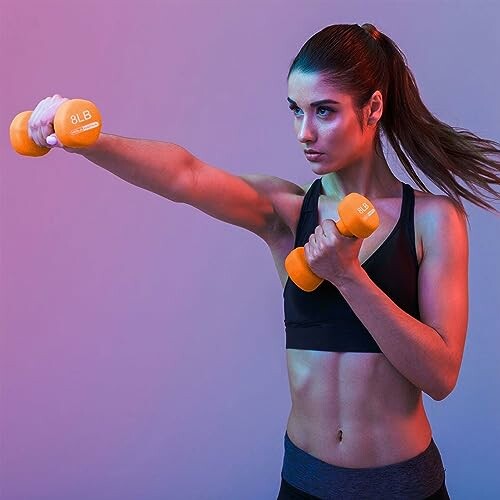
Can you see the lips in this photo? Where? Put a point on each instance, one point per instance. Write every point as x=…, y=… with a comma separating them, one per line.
x=312, y=151
x=312, y=156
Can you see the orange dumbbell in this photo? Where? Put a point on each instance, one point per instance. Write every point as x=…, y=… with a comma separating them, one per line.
x=358, y=218
x=77, y=124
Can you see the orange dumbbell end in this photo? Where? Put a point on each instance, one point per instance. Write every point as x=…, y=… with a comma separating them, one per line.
x=77, y=123
x=358, y=216
x=20, y=139
x=300, y=273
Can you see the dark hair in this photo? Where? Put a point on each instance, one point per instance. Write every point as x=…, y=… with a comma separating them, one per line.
x=359, y=60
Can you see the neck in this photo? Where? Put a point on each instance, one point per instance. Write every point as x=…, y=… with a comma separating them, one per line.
x=369, y=177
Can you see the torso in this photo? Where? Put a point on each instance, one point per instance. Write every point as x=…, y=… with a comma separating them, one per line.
x=352, y=409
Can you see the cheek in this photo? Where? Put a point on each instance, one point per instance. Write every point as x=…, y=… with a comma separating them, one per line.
x=338, y=138
x=338, y=129
x=346, y=136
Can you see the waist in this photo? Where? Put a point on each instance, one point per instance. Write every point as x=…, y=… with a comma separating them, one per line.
x=419, y=476
x=361, y=443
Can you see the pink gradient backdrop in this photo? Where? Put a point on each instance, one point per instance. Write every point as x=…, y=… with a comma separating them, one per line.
x=142, y=342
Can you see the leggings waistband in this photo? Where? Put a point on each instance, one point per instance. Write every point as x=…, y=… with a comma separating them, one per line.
x=416, y=478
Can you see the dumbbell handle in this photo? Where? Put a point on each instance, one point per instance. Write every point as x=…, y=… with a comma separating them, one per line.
x=358, y=218
x=77, y=124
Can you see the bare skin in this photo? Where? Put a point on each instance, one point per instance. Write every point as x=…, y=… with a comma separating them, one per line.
x=353, y=409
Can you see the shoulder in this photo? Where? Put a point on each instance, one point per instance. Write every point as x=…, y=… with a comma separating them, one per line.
x=439, y=222
x=433, y=208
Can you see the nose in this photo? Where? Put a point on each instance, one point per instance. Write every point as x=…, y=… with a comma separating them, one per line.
x=306, y=132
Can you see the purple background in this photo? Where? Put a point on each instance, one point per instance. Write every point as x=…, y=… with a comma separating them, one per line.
x=142, y=342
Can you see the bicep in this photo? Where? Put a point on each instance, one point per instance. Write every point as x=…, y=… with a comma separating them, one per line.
x=443, y=275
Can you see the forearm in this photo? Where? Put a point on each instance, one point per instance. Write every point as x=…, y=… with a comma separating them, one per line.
x=153, y=165
x=416, y=350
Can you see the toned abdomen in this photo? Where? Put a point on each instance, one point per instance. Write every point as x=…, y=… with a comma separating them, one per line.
x=354, y=409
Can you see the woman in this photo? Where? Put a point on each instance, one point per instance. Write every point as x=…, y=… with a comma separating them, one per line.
x=390, y=318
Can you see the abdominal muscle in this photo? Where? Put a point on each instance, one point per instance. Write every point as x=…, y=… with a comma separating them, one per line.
x=354, y=409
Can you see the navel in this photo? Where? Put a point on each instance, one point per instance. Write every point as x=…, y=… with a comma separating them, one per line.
x=339, y=435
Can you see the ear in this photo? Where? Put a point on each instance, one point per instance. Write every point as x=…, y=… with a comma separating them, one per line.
x=375, y=108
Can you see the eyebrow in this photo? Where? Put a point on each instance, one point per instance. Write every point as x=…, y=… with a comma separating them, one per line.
x=317, y=103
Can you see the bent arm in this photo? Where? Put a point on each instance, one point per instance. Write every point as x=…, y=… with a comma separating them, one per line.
x=427, y=351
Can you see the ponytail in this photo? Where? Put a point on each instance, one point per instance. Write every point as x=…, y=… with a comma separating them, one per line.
x=360, y=60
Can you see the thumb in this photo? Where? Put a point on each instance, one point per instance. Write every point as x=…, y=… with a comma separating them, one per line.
x=52, y=140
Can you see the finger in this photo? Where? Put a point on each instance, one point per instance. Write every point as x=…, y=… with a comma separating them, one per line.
x=43, y=118
x=36, y=112
x=47, y=121
x=34, y=132
x=47, y=113
x=34, y=122
x=319, y=231
x=38, y=134
x=44, y=129
x=306, y=251
x=329, y=226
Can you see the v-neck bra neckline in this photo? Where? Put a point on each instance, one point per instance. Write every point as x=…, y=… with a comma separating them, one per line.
x=404, y=197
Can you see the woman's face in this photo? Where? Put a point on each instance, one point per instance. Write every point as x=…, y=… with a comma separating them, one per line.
x=332, y=128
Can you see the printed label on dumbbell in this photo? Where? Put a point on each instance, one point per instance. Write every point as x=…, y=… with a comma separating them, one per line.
x=84, y=128
x=76, y=118
x=363, y=207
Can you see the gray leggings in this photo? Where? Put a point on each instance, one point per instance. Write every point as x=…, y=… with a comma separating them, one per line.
x=307, y=477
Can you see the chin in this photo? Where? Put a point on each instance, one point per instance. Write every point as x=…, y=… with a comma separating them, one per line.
x=322, y=168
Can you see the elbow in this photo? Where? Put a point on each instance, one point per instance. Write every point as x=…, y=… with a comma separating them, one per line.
x=439, y=396
x=447, y=378
x=179, y=177
x=444, y=389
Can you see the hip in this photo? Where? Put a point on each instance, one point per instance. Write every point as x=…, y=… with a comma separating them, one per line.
x=305, y=476
x=361, y=443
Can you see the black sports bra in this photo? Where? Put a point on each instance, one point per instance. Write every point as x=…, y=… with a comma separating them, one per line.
x=322, y=320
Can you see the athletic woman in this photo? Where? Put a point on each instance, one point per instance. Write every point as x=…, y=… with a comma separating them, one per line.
x=389, y=320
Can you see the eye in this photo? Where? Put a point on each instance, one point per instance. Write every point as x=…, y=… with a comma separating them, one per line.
x=327, y=109
x=294, y=108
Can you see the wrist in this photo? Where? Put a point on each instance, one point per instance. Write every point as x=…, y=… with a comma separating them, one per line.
x=351, y=276
x=89, y=151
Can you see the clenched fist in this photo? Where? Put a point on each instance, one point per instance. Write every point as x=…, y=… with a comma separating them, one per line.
x=41, y=122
